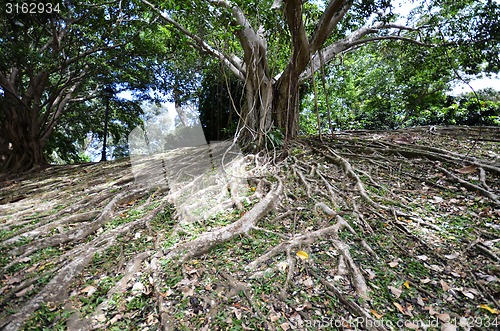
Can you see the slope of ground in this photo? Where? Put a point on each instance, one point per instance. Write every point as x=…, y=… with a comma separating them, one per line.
x=359, y=230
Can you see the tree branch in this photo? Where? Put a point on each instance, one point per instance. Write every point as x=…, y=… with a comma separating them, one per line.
x=331, y=17
x=293, y=14
x=234, y=66
x=379, y=38
x=253, y=44
x=45, y=133
x=356, y=39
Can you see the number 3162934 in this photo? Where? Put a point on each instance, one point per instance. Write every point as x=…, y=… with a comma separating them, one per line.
x=31, y=8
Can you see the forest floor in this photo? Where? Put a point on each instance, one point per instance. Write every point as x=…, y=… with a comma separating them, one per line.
x=370, y=230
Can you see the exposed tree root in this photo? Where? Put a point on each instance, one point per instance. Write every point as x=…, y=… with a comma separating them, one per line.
x=243, y=225
x=471, y=186
x=76, y=323
x=355, y=309
x=381, y=217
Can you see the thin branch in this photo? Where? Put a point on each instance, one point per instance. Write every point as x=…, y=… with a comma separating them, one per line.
x=368, y=40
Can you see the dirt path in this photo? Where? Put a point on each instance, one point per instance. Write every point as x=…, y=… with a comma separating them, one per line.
x=374, y=230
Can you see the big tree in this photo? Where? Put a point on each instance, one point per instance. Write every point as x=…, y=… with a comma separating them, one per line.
x=274, y=47
x=54, y=61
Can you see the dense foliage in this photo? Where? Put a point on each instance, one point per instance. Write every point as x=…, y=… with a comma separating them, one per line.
x=389, y=86
x=54, y=70
x=220, y=100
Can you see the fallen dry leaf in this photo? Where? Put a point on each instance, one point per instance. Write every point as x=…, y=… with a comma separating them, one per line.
x=431, y=311
x=411, y=326
x=167, y=293
x=115, y=319
x=282, y=266
x=443, y=317
x=395, y=291
x=444, y=286
x=452, y=256
x=308, y=282
x=187, y=291
x=371, y=274
x=399, y=307
x=436, y=268
x=437, y=199
x=488, y=308
x=448, y=327
x=237, y=312
x=403, y=310
x=393, y=264
x=377, y=315
x=89, y=290
x=468, y=294
x=138, y=288
x=420, y=301
x=302, y=255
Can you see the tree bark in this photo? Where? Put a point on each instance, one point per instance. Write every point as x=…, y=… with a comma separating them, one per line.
x=21, y=124
x=286, y=104
x=26, y=150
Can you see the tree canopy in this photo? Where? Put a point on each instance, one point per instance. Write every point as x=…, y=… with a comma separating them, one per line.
x=56, y=65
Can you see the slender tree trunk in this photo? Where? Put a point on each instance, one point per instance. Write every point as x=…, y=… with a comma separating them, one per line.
x=177, y=103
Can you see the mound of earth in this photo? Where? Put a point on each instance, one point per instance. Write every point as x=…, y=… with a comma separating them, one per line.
x=356, y=230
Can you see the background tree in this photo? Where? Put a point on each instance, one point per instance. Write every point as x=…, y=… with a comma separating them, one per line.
x=381, y=86
x=54, y=63
x=220, y=101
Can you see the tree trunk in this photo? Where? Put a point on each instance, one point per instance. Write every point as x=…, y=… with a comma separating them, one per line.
x=256, y=115
x=177, y=103
x=20, y=131
x=286, y=104
x=272, y=106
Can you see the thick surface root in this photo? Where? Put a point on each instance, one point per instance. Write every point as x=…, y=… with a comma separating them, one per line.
x=368, y=230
